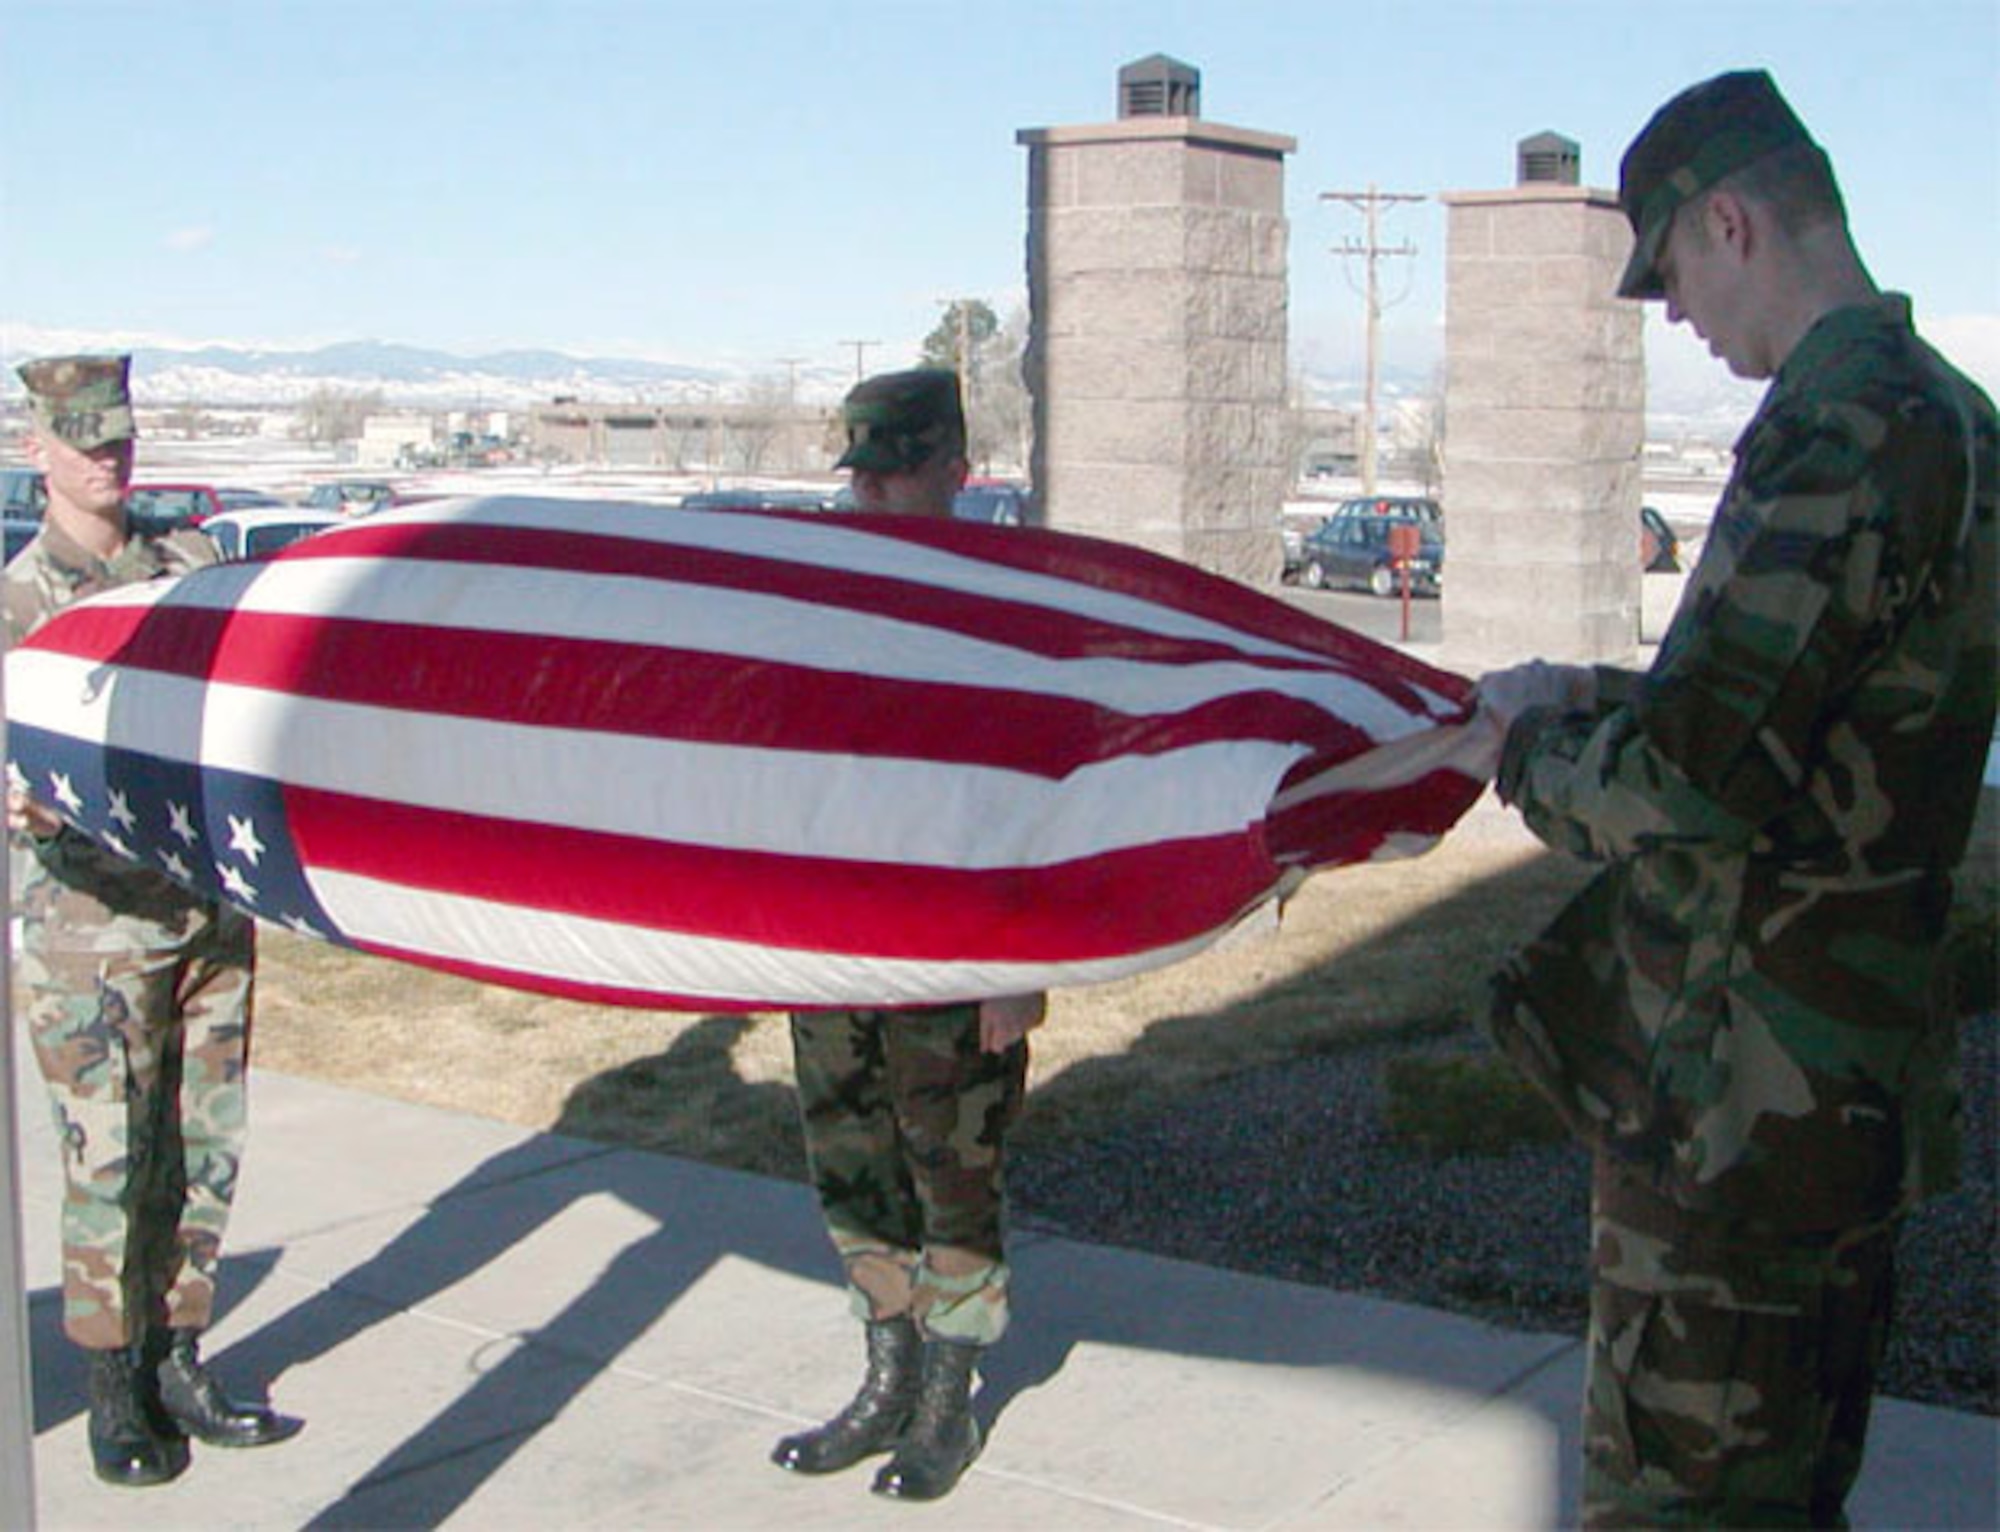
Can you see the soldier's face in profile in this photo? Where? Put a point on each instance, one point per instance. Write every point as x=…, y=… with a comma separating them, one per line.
x=92, y=479
x=925, y=490
x=1705, y=276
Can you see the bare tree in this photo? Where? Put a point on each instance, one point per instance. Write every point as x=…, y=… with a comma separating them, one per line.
x=760, y=424
x=333, y=415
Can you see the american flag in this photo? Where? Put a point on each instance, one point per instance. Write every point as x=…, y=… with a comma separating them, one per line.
x=738, y=760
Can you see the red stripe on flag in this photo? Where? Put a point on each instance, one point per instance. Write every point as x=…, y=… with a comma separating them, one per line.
x=1092, y=907
x=1351, y=826
x=696, y=696
x=1033, y=627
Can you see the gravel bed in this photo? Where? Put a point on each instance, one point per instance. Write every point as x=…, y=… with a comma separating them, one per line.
x=1289, y=1172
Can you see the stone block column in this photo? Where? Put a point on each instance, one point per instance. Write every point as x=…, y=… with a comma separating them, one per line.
x=1545, y=395
x=1157, y=294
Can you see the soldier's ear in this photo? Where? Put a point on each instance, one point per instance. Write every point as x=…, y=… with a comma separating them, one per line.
x=31, y=448
x=1729, y=223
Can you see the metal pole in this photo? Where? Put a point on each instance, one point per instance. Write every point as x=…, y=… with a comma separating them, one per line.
x=17, y=1436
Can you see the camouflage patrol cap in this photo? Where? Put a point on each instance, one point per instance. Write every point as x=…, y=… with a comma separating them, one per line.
x=1706, y=133
x=83, y=400
x=897, y=420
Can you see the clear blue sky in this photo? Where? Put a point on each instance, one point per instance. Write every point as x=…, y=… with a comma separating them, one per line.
x=745, y=180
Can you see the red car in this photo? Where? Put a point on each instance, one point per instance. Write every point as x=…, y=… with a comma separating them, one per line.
x=156, y=507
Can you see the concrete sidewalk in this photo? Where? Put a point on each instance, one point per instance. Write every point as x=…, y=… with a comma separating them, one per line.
x=492, y=1328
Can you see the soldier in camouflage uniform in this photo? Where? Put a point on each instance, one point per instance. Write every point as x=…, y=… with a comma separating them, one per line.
x=137, y=1001
x=906, y=1112
x=1738, y=1014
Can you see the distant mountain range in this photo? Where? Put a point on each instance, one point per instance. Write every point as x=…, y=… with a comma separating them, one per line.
x=221, y=374
x=1701, y=404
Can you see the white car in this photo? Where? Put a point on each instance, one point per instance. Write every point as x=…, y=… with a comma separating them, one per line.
x=262, y=530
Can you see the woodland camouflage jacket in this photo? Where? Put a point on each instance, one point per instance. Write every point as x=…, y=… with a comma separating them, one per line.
x=1741, y=1002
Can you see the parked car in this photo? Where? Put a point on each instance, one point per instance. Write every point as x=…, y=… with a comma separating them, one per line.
x=23, y=493
x=1659, y=548
x=756, y=500
x=235, y=499
x=1292, y=535
x=1354, y=551
x=1421, y=507
x=20, y=531
x=261, y=530
x=352, y=497
x=156, y=508
x=998, y=502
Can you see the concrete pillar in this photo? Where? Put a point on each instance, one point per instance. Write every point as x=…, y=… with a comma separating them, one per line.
x=1545, y=399
x=1156, y=359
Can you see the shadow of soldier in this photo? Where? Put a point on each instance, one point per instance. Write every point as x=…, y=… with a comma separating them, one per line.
x=524, y=1381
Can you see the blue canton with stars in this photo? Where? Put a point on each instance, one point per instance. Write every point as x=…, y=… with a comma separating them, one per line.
x=220, y=833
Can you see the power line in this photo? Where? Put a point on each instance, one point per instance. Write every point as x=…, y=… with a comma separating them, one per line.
x=1372, y=251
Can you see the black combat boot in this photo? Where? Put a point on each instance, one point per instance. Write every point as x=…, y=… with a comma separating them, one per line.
x=875, y=1418
x=195, y=1402
x=131, y=1442
x=943, y=1438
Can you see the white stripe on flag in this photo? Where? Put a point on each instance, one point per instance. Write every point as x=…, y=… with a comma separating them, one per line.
x=576, y=949
x=912, y=812
x=418, y=593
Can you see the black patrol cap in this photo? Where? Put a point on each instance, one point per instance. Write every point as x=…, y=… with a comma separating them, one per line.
x=1705, y=134
x=896, y=421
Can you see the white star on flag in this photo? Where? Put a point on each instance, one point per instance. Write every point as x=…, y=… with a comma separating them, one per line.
x=240, y=887
x=66, y=795
x=121, y=811
x=183, y=822
x=243, y=839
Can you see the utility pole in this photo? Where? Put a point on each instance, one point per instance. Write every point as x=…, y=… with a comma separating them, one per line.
x=1372, y=251
x=960, y=311
x=965, y=358
x=791, y=366
x=859, y=347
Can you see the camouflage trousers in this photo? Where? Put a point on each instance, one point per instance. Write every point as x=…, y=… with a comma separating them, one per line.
x=143, y=1049
x=905, y=1125
x=1729, y=1379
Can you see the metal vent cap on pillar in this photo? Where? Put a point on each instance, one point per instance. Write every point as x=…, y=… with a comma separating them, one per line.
x=1550, y=158
x=1157, y=86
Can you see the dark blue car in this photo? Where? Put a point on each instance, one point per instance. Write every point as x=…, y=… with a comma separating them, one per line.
x=1353, y=551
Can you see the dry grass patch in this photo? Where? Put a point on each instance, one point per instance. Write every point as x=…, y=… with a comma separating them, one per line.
x=1358, y=952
